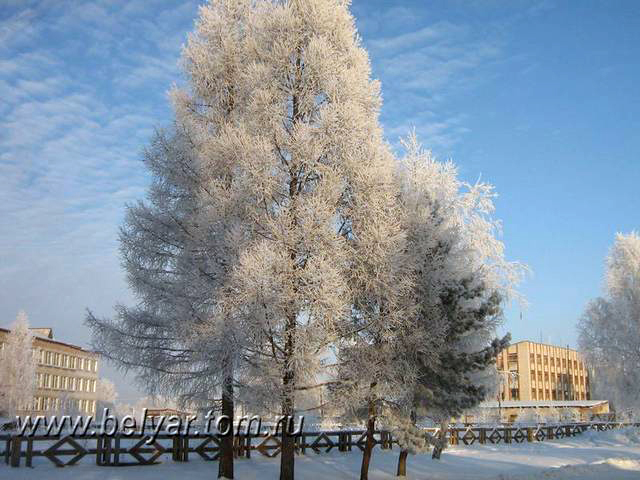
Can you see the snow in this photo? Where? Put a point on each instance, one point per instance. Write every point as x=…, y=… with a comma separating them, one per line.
x=591, y=456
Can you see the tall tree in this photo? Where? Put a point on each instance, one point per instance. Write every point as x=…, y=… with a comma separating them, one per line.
x=175, y=248
x=107, y=395
x=609, y=329
x=317, y=180
x=289, y=218
x=461, y=279
x=179, y=248
x=18, y=372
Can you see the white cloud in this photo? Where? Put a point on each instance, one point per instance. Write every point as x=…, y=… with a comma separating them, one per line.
x=82, y=86
x=424, y=65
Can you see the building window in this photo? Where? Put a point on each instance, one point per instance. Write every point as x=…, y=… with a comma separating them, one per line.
x=532, y=358
x=533, y=394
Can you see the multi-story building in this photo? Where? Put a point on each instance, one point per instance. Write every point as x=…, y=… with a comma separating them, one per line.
x=535, y=371
x=66, y=375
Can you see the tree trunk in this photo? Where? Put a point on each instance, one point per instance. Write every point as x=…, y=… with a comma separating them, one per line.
x=439, y=447
x=404, y=453
x=225, y=464
x=370, y=443
x=402, y=463
x=287, y=446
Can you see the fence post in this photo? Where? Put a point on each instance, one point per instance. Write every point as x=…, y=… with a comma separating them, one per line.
x=29, y=458
x=105, y=457
x=98, y=450
x=529, y=434
x=7, y=450
x=186, y=448
x=16, y=447
x=507, y=435
x=116, y=450
x=177, y=449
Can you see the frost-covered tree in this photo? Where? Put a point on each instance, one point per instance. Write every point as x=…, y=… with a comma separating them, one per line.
x=316, y=184
x=461, y=279
x=176, y=248
x=374, y=364
x=107, y=395
x=180, y=246
x=18, y=372
x=609, y=330
x=290, y=219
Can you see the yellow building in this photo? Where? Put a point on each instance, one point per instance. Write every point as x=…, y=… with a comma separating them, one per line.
x=535, y=372
x=541, y=411
x=66, y=375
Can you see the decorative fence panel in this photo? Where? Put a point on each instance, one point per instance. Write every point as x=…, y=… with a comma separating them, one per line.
x=123, y=449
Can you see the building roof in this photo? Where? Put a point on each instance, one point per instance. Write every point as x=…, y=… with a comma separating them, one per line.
x=566, y=347
x=542, y=403
x=38, y=336
x=43, y=332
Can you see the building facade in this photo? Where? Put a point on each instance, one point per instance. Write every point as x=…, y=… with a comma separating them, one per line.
x=66, y=375
x=541, y=411
x=538, y=372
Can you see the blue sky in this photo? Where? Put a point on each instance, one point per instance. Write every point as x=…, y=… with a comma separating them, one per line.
x=539, y=98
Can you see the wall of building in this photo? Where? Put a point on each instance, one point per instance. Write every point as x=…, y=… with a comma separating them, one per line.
x=536, y=371
x=544, y=414
x=66, y=377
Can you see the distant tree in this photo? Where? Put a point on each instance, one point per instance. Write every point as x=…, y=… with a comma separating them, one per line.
x=18, y=369
x=106, y=395
x=609, y=329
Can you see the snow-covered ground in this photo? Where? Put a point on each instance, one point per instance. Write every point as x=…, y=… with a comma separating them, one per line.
x=612, y=455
